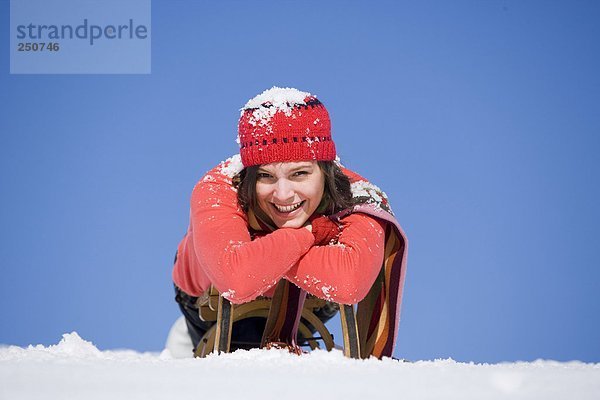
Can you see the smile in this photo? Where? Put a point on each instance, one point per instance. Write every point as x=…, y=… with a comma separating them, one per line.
x=288, y=209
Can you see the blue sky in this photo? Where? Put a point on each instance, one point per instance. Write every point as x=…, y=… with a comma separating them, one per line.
x=480, y=120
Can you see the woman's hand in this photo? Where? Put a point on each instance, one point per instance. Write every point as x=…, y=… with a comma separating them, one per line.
x=324, y=230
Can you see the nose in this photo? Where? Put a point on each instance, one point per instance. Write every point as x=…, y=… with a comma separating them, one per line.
x=284, y=191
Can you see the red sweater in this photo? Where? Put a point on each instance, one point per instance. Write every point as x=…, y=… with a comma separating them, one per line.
x=217, y=249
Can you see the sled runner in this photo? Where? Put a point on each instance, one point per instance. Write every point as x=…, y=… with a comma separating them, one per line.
x=288, y=314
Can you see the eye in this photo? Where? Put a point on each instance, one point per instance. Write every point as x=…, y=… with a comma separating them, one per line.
x=300, y=173
x=262, y=175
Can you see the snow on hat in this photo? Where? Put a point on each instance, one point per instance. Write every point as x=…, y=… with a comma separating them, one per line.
x=284, y=124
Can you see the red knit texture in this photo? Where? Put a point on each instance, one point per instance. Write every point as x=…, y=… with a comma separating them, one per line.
x=304, y=134
x=324, y=230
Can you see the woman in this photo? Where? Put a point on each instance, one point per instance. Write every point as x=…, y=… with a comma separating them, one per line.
x=285, y=209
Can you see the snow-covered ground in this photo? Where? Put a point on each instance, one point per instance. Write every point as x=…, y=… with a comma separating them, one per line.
x=76, y=369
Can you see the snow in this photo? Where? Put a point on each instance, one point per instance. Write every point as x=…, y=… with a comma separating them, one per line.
x=229, y=294
x=76, y=369
x=280, y=98
x=232, y=166
x=265, y=105
x=366, y=189
x=372, y=194
x=326, y=289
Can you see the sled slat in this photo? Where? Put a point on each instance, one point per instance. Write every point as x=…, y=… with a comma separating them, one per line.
x=350, y=331
x=224, y=325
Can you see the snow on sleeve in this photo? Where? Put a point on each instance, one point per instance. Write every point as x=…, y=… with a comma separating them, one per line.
x=232, y=166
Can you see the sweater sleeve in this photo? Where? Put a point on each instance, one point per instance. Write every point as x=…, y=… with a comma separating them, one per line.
x=241, y=269
x=343, y=272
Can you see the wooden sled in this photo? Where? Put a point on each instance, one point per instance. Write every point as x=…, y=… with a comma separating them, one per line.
x=214, y=307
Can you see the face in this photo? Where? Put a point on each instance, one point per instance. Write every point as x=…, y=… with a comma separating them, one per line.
x=289, y=192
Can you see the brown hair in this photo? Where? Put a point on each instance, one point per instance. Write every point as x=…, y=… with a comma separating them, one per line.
x=336, y=196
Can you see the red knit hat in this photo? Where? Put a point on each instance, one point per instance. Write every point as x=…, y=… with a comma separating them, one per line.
x=284, y=124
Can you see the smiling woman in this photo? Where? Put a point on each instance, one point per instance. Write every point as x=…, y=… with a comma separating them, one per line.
x=289, y=193
x=285, y=209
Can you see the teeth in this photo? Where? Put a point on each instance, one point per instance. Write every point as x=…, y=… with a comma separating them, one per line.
x=288, y=208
